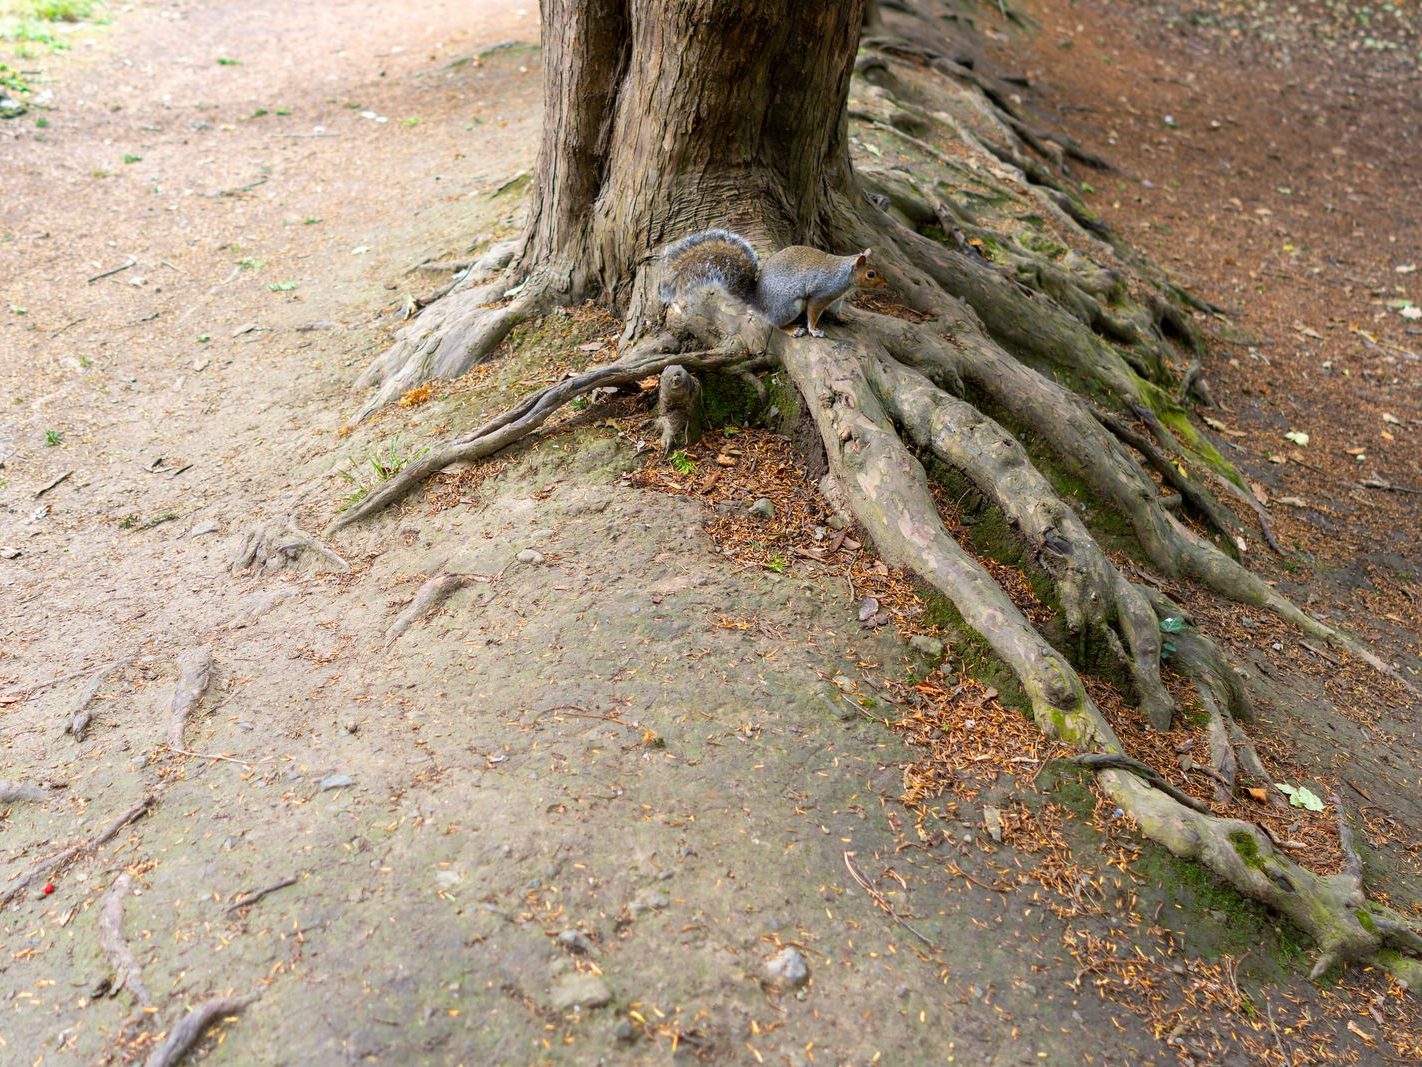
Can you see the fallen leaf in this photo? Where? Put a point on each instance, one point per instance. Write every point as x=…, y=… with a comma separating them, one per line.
x=1298, y=437
x=1293, y=501
x=1258, y=792
x=1393, y=419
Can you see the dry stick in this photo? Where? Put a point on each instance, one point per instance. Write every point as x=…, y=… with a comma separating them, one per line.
x=252, y=898
x=126, y=972
x=59, y=859
x=13, y=791
x=190, y=1028
x=117, y=270
x=1111, y=761
x=878, y=899
x=220, y=756
x=1377, y=483
x=195, y=671
x=50, y=485
x=431, y=595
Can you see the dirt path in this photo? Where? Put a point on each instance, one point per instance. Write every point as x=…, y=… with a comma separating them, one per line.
x=625, y=773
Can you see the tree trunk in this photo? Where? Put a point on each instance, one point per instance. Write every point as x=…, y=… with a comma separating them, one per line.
x=665, y=116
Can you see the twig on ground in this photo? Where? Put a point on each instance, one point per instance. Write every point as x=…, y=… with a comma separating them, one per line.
x=878, y=899
x=252, y=898
x=117, y=270
x=183, y=1036
x=126, y=972
x=220, y=756
x=194, y=674
x=52, y=863
x=1378, y=483
x=51, y=484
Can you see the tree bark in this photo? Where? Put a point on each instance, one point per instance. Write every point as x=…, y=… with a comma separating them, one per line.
x=665, y=116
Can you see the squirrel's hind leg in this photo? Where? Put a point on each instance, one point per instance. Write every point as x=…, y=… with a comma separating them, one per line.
x=812, y=317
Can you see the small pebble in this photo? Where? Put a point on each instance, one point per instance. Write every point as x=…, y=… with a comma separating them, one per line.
x=762, y=509
x=530, y=556
x=336, y=781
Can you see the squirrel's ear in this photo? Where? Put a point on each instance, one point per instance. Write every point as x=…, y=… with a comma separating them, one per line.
x=863, y=257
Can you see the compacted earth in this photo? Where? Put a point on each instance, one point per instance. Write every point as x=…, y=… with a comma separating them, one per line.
x=634, y=793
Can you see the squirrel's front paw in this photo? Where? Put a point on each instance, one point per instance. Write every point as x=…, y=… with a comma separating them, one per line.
x=799, y=332
x=816, y=333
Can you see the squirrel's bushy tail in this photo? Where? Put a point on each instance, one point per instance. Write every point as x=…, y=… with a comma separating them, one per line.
x=711, y=257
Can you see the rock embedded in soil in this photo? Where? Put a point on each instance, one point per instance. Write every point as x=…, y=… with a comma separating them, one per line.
x=762, y=509
x=579, y=991
x=575, y=941
x=530, y=556
x=787, y=969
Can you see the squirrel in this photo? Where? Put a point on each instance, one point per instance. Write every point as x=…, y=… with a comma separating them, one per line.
x=795, y=281
x=678, y=408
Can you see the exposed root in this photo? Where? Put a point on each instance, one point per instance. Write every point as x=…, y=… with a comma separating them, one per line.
x=450, y=336
x=274, y=545
x=529, y=414
x=11, y=792
x=1093, y=593
x=64, y=857
x=111, y=940
x=79, y=714
x=190, y=1028
x=431, y=595
x=1103, y=761
x=1194, y=494
x=194, y=674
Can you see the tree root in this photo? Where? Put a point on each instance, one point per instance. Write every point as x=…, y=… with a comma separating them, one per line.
x=529, y=414
x=79, y=714
x=1093, y=593
x=111, y=940
x=183, y=1036
x=24, y=692
x=11, y=792
x=194, y=674
x=64, y=857
x=1104, y=761
x=886, y=490
x=451, y=336
x=430, y=596
x=273, y=545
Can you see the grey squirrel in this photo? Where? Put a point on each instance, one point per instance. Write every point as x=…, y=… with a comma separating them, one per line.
x=678, y=408
x=795, y=281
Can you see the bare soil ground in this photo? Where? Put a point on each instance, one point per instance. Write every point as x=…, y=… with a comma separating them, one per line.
x=643, y=741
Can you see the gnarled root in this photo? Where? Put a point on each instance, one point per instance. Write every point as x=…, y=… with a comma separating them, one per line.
x=531, y=413
x=273, y=545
